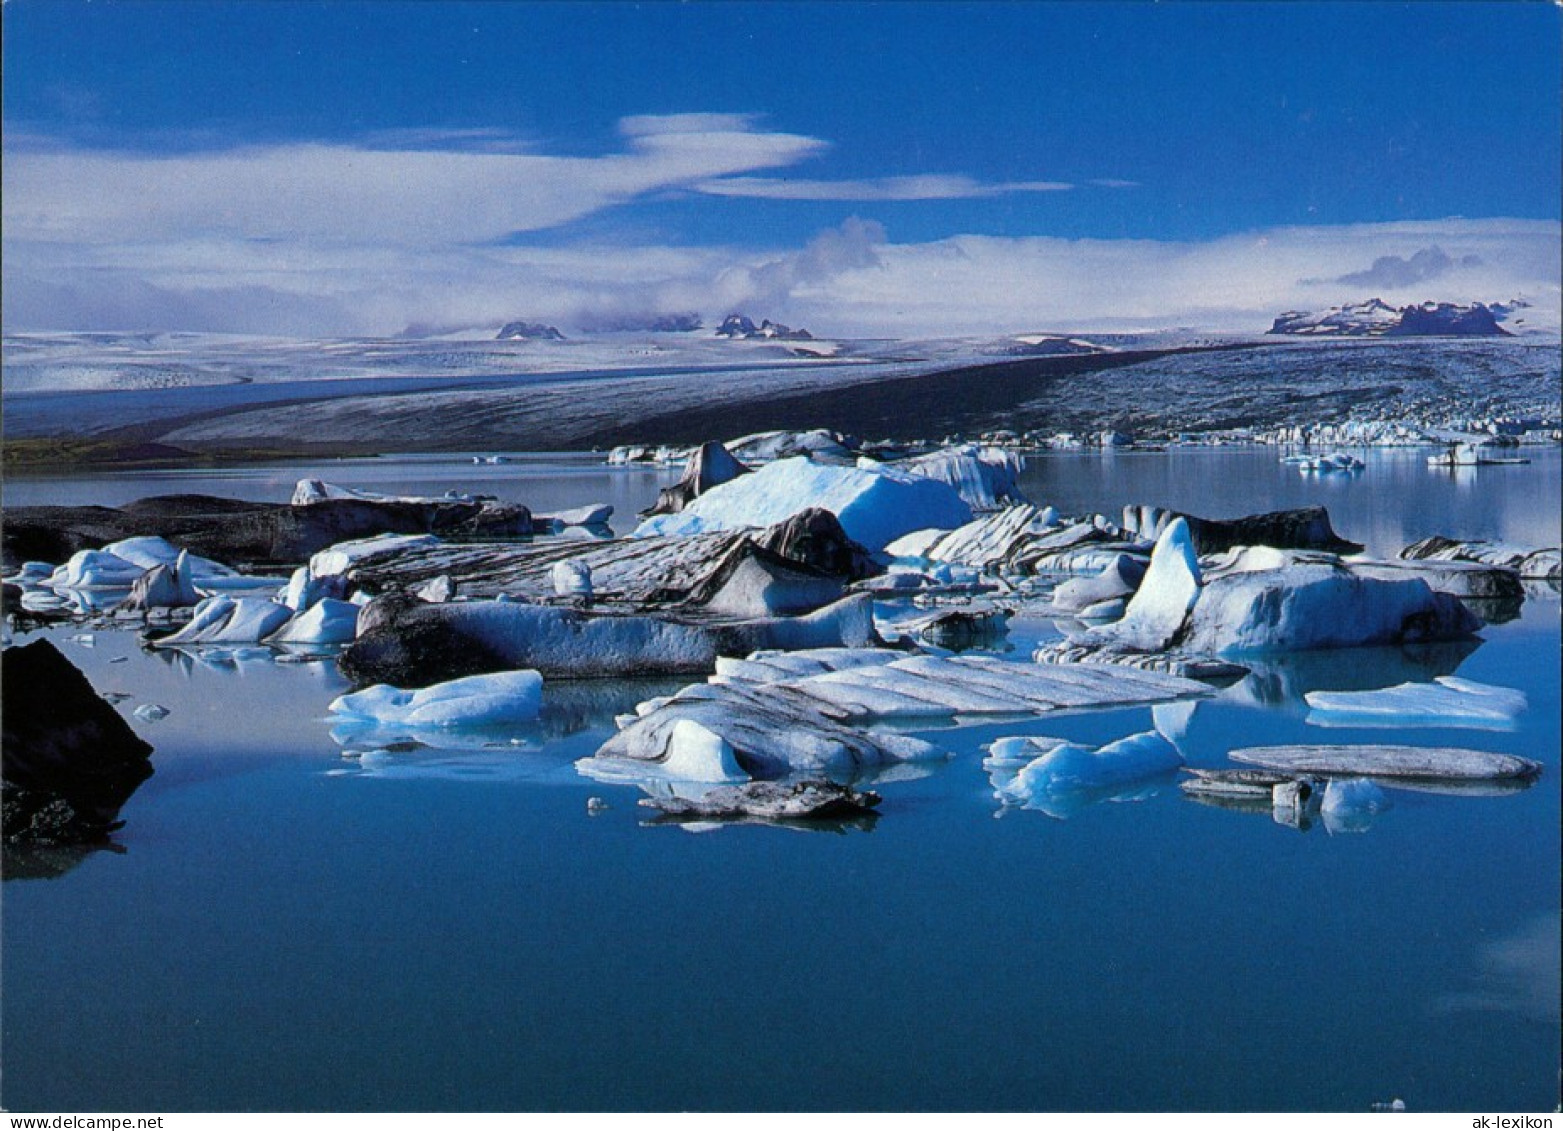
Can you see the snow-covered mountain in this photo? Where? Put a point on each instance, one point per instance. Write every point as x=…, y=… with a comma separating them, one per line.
x=1377, y=319
x=528, y=332
x=741, y=326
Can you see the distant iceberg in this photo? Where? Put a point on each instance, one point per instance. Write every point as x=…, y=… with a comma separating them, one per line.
x=875, y=504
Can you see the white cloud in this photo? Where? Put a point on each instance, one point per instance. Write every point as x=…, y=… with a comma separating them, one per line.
x=973, y=284
x=925, y=187
x=366, y=238
x=392, y=194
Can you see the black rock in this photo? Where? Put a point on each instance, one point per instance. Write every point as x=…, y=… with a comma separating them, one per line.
x=69, y=760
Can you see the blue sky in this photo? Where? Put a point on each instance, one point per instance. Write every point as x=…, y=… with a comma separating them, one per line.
x=346, y=166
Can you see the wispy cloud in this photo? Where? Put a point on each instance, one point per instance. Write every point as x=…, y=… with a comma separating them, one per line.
x=926, y=187
x=397, y=191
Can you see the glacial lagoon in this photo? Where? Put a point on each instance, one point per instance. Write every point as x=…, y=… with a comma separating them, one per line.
x=287, y=921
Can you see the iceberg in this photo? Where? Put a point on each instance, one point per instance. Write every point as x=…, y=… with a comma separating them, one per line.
x=597, y=515
x=985, y=543
x=1444, y=763
x=165, y=586
x=1118, y=580
x=415, y=642
x=697, y=754
x=1350, y=804
x=1063, y=767
x=476, y=701
x=768, y=447
x=1447, y=701
x=1171, y=586
x=338, y=559
x=874, y=505
x=327, y=621
x=572, y=579
x=229, y=620
x=985, y=477
x=1318, y=605
x=803, y=712
x=1061, y=778
x=708, y=466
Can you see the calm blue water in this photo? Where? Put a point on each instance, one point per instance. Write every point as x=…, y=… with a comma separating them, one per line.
x=286, y=928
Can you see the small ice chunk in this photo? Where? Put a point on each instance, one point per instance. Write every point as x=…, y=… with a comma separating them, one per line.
x=1344, y=795
x=1350, y=804
x=151, y=712
x=597, y=515
x=572, y=578
x=1068, y=767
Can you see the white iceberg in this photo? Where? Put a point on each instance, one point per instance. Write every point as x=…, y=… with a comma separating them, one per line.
x=985, y=542
x=874, y=505
x=229, y=620
x=1170, y=587
x=327, y=621
x=572, y=578
x=475, y=701
x=1063, y=767
x=597, y=515
x=986, y=477
x=1447, y=701
x=1117, y=582
x=1318, y=605
x=697, y=754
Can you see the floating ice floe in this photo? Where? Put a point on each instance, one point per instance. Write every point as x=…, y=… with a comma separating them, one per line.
x=1447, y=701
x=1305, y=601
x=1327, y=462
x=476, y=701
x=770, y=801
x=151, y=712
x=1054, y=775
x=421, y=641
x=327, y=621
x=1410, y=762
x=1531, y=563
x=984, y=543
x=338, y=559
x=316, y=490
x=875, y=505
x=787, y=713
x=768, y=447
